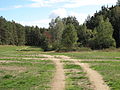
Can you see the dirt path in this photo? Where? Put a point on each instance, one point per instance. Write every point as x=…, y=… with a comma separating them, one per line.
x=95, y=78
x=59, y=78
x=58, y=82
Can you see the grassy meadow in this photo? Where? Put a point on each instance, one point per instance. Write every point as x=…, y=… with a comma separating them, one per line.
x=17, y=73
x=110, y=70
x=75, y=77
x=106, y=62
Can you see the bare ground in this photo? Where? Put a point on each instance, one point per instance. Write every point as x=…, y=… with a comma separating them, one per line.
x=8, y=61
x=58, y=82
x=13, y=68
x=95, y=78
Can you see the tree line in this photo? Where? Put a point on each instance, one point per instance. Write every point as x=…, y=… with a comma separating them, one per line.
x=113, y=14
x=12, y=33
x=97, y=32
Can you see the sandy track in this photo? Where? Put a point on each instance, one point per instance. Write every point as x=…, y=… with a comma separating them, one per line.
x=95, y=78
x=59, y=78
x=58, y=82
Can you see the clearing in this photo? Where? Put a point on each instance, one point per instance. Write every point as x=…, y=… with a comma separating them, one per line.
x=29, y=68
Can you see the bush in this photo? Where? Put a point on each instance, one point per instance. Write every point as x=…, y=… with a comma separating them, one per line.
x=75, y=49
x=7, y=76
x=83, y=49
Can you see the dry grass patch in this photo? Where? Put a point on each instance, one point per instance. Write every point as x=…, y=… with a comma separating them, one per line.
x=75, y=77
x=6, y=61
x=13, y=68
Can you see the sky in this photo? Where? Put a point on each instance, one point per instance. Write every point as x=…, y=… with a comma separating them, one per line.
x=40, y=12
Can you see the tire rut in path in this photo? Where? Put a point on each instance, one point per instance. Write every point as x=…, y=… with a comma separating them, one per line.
x=95, y=78
x=58, y=82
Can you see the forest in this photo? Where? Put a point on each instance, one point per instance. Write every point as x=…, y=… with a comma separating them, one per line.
x=100, y=31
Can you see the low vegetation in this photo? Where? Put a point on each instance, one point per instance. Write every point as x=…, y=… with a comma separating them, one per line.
x=106, y=62
x=110, y=71
x=24, y=74
x=17, y=72
x=22, y=68
x=75, y=77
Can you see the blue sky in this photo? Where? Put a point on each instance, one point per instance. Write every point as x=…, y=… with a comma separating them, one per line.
x=40, y=12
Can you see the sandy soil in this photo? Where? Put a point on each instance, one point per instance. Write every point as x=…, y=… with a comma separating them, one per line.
x=58, y=82
x=95, y=78
x=14, y=68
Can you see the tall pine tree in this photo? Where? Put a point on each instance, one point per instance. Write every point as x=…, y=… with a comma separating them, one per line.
x=103, y=38
x=69, y=37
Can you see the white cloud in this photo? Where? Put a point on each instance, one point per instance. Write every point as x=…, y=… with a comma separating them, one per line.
x=38, y=3
x=66, y=3
x=35, y=5
x=58, y=12
x=50, y=1
x=45, y=3
x=62, y=12
x=80, y=16
x=12, y=7
x=79, y=3
x=17, y=6
x=39, y=23
x=73, y=3
x=1, y=9
x=45, y=22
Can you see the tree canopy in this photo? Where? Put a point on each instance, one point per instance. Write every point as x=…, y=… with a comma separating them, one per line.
x=100, y=31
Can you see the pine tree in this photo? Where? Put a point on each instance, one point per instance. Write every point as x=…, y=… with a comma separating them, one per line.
x=114, y=17
x=20, y=34
x=71, y=20
x=113, y=13
x=84, y=35
x=11, y=34
x=38, y=36
x=56, y=31
x=69, y=37
x=15, y=36
x=103, y=38
x=4, y=32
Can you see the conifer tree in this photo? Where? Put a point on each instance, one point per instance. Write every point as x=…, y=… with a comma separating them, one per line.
x=84, y=35
x=56, y=31
x=103, y=38
x=69, y=37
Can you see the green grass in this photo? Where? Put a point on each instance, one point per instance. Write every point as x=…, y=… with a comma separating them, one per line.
x=71, y=66
x=24, y=74
x=92, y=55
x=108, y=67
x=110, y=71
x=30, y=48
x=38, y=73
x=9, y=51
x=75, y=77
